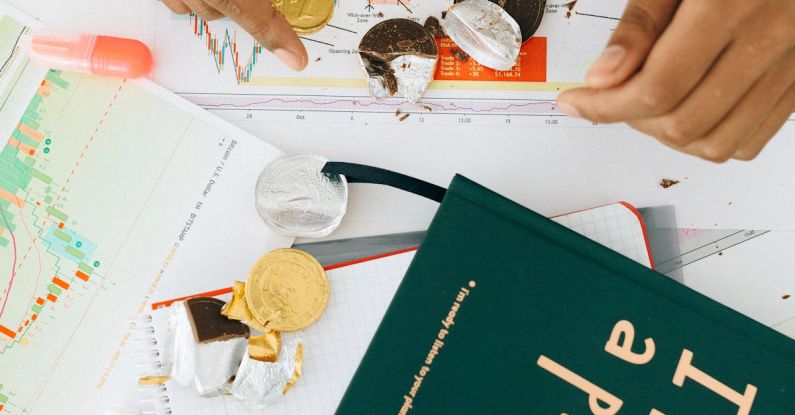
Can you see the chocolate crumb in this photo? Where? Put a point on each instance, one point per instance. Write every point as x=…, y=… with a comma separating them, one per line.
x=785, y=297
x=397, y=112
x=318, y=59
x=666, y=183
x=380, y=14
x=459, y=54
x=427, y=108
x=444, y=14
x=720, y=253
x=570, y=5
x=403, y=117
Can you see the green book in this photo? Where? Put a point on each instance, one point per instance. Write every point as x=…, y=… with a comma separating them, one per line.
x=506, y=312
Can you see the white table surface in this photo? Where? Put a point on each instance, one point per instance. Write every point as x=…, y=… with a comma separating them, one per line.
x=553, y=173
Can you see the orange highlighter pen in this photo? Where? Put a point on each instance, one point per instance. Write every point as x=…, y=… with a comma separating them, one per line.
x=94, y=54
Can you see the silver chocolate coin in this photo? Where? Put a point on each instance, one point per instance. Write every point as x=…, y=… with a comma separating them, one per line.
x=485, y=31
x=295, y=199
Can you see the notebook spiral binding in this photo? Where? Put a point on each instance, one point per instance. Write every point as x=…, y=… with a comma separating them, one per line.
x=150, y=355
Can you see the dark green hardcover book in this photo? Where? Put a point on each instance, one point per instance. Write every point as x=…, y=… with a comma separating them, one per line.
x=506, y=312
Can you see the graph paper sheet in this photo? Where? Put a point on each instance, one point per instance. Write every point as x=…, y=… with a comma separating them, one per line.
x=360, y=295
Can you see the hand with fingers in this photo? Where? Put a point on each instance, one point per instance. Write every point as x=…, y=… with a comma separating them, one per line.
x=711, y=78
x=257, y=17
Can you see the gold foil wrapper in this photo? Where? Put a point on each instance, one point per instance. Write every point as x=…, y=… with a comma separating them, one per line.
x=237, y=308
x=305, y=16
x=287, y=289
x=254, y=324
x=299, y=363
x=265, y=347
x=153, y=380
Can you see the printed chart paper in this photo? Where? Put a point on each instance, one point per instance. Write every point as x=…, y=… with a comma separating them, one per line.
x=110, y=190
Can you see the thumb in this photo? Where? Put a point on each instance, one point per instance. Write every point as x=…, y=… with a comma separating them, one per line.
x=641, y=25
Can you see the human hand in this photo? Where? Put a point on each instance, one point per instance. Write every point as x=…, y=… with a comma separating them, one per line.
x=712, y=78
x=257, y=17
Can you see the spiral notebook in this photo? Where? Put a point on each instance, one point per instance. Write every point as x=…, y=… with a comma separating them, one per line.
x=360, y=294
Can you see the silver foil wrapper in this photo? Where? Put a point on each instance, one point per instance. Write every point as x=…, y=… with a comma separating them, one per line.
x=296, y=200
x=413, y=74
x=206, y=366
x=259, y=383
x=485, y=31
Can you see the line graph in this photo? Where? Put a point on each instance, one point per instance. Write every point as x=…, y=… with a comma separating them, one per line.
x=12, y=272
x=261, y=102
x=47, y=266
x=12, y=30
x=356, y=109
x=219, y=46
x=27, y=188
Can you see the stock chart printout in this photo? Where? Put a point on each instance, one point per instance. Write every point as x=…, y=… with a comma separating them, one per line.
x=109, y=190
x=225, y=69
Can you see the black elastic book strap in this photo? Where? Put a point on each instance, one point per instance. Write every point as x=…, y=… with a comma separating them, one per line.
x=360, y=173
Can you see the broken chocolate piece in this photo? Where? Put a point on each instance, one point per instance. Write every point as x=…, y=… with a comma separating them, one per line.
x=432, y=25
x=666, y=183
x=399, y=56
x=527, y=13
x=459, y=54
x=208, y=323
x=205, y=366
x=397, y=37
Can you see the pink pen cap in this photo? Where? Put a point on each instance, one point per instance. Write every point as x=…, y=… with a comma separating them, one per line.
x=95, y=54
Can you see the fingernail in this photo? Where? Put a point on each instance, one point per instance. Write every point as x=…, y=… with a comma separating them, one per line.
x=293, y=60
x=569, y=110
x=608, y=61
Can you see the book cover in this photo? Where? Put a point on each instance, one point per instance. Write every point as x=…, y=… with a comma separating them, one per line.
x=506, y=312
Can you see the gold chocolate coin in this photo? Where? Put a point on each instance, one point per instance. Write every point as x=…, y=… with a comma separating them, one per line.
x=305, y=16
x=287, y=290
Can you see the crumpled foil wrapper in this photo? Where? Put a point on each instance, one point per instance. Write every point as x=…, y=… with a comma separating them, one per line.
x=259, y=383
x=296, y=200
x=413, y=74
x=207, y=366
x=485, y=31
